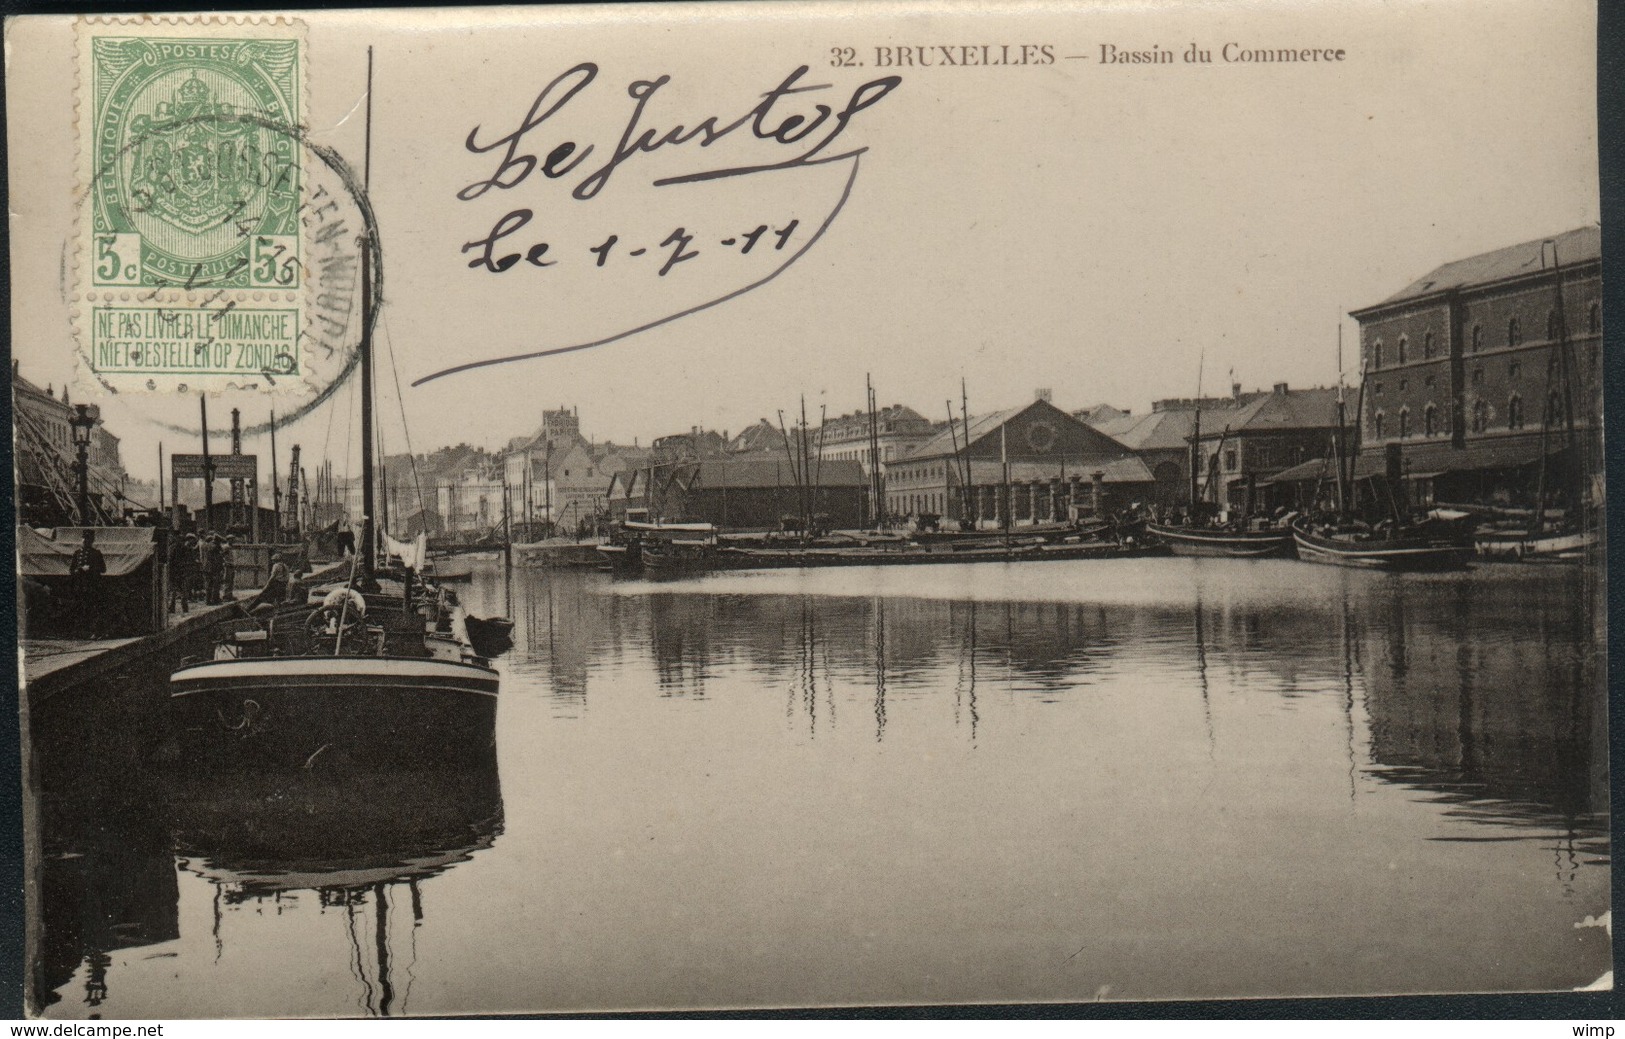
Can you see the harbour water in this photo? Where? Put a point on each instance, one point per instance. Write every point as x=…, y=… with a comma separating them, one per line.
x=1133, y=779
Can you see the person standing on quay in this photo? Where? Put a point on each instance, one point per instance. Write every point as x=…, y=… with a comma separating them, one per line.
x=228, y=568
x=213, y=558
x=182, y=556
x=85, y=571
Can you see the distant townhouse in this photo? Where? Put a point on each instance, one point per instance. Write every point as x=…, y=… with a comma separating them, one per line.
x=1244, y=446
x=896, y=431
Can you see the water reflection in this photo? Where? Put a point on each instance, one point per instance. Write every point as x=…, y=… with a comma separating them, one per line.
x=107, y=884
x=1481, y=688
x=362, y=845
x=120, y=836
x=1164, y=779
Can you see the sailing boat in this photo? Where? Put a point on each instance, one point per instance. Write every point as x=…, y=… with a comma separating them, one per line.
x=379, y=674
x=1398, y=541
x=1237, y=539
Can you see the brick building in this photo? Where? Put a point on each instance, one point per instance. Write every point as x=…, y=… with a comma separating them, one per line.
x=1465, y=371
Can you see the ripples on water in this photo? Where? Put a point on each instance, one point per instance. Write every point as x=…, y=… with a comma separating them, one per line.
x=1131, y=779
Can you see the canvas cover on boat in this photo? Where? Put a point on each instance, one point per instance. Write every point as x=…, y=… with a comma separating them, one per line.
x=412, y=554
x=124, y=549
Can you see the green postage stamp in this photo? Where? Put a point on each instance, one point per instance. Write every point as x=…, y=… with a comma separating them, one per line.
x=191, y=268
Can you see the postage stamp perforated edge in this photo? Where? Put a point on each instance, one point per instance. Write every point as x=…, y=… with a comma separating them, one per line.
x=203, y=323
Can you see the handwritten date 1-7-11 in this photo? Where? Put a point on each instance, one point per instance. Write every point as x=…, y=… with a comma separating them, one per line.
x=680, y=245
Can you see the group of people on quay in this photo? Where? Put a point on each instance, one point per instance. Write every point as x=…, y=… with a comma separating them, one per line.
x=200, y=567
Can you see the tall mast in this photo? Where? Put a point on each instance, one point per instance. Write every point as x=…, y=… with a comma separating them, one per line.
x=276, y=485
x=236, y=481
x=294, y=473
x=1561, y=371
x=964, y=418
x=1338, y=450
x=1004, y=461
x=208, y=465
x=875, y=490
x=367, y=504
x=1196, y=430
x=1359, y=434
x=806, y=512
x=818, y=471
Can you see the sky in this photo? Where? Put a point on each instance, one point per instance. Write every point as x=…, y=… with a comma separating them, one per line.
x=1102, y=231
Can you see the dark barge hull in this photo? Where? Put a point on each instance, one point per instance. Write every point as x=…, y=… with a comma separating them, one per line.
x=1402, y=553
x=340, y=712
x=765, y=559
x=1245, y=544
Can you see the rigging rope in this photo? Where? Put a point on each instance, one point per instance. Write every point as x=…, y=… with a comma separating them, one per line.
x=406, y=430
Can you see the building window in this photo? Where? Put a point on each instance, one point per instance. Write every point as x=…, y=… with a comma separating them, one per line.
x=1594, y=319
x=1514, y=369
x=1553, y=331
x=1429, y=381
x=1376, y=426
x=1230, y=460
x=1403, y=350
x=1427, y=345
x=1515, y=412
x=1430, y=421
x=1478, y=376
x=1478, y=338
x=1376, y=354
x=1404, y=423
x=1404, y=384
x=1554, y=409
x=1514, y=332
x=1481, y=416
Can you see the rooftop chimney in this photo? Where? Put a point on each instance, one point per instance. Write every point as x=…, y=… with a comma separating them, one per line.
x=1043, y=393
x=1280, y=389
x=1235, y=390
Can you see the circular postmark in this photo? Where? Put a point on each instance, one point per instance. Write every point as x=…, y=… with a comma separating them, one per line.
x=239, y=244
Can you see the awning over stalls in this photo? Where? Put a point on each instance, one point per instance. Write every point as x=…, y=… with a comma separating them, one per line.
x=1437, y=459
x=124, y=549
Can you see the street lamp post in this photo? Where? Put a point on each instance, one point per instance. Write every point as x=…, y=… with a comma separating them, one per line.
x=83, y=420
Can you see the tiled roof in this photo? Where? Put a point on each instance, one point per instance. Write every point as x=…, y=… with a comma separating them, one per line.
x=1158, y=430
x=1576, y=246
x=1293, y=409
x=943, y=443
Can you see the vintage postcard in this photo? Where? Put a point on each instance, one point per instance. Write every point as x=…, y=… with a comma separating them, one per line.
x=759, y=505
